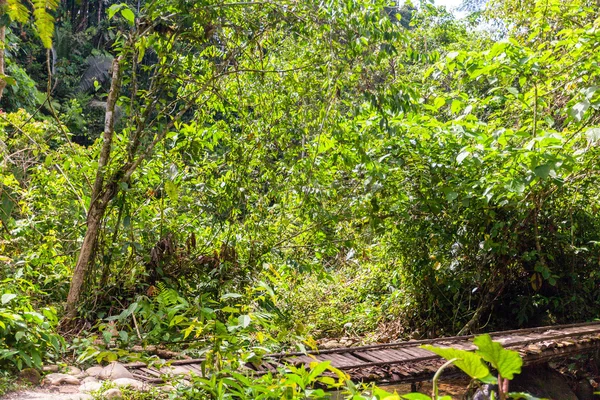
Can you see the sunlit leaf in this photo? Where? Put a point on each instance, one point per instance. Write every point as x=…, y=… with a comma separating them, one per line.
x=506, y=362
x=469, y=362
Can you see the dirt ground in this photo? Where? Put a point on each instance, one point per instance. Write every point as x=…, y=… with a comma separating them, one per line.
x=40, y=394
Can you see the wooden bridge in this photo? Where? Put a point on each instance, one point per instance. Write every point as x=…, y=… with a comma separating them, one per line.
x=404, y=362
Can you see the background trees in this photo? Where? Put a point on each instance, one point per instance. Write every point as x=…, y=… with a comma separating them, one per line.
x=412, y=174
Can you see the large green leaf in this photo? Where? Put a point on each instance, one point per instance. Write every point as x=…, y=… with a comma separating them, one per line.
x=470, y=363
x=6, y=297
x=579, y=109
x=507, y=362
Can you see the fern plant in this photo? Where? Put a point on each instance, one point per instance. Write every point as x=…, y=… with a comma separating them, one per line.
x=42, y=13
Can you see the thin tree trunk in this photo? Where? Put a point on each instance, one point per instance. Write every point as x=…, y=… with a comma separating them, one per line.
x=102, y=194
x=3, y=5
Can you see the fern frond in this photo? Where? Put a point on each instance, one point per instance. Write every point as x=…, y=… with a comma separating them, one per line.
x=17, y=11
x=168, y=297
x=44, y=21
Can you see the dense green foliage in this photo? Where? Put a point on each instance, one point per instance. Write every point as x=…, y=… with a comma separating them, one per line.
x=283, y=171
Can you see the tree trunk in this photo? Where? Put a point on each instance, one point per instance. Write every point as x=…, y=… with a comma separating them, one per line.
x=3, y=5
x=102, y=194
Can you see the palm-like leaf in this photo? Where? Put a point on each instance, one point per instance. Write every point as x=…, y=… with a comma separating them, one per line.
x=98, y=69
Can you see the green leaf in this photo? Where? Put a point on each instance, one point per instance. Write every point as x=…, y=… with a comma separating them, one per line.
x=461, y=157
x=128, y=15
x=172, y=190
x=451, y=196
x=543, y=171
x=513, y=91
x=317, y=368
x=470, y=363
x=506, y=362
x=452, y=55
x=579, y=109
x=416, y=396
x=112, y=10
x=593, y=134
x=230, y=296
x=19, y=335
x=244, y=320
x=8, y=297
x=523, y=396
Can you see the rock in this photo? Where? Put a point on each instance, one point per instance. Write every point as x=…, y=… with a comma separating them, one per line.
x=90, y=387
x=89, y=379
x=94, y=371
x=542, y=381
x=114, y=371
x=30, y=375
x=50, y=368
x=165, y=388
x=113, y=393
x=584, y=390
x=68, y=389
x=71, y=370
x=81, y=396
x=330, y=344
x=59, y=379
x=133, y=383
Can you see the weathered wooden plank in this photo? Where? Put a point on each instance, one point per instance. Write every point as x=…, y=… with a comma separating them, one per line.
x=370, y=355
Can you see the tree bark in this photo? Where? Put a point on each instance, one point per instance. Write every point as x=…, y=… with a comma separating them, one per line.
x=102, y=194
x=3, y=5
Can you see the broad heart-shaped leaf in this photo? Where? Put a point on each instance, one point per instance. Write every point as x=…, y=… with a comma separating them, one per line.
x=470, y=363
x=507, y=362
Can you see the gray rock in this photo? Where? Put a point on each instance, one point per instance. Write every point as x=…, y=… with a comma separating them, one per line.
x=59, y=379
x=90, y=387
x=165, y=388
x=71, y=370
x=81, y=396
x=113, y=393
x=542, y=381
x=114, y=371
x=94, y=371
x=133, y=383
x=50, y=368
x=89, y=379
x=68, y=389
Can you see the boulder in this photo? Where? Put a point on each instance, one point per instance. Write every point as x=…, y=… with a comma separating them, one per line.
x=30, y=375
x=94, y=371
x=113, y=393
x=89, y=379
x=50, y=368
x=90, y=387
x=56, y=379
x=165, y=388
x=114, y=371
x=542, y=381
x=71, y=370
